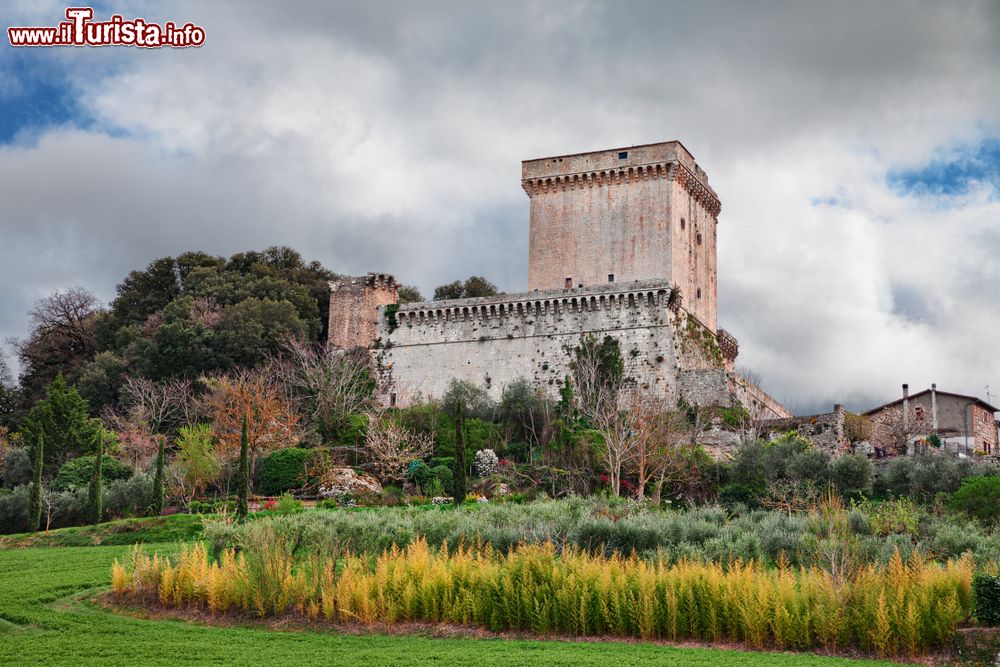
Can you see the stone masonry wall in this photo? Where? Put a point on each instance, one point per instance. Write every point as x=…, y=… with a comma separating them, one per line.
x=354, y=308
x=493, y=341
x=824, y=431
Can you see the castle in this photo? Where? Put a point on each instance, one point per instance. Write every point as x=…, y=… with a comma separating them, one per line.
x=613, y=234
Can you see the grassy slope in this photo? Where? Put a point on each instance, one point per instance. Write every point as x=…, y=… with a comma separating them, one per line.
x=45, y=618
x=175, y=528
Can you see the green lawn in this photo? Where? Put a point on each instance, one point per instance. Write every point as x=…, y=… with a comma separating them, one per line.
x=46, y=618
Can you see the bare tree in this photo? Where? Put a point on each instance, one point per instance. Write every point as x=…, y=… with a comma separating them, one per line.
x=161, y=405
x=329, y=383
x=61, y=339
x=892, y=431
x=67, y=315
x=392, y=448
x=271, y=420
x=659, y=433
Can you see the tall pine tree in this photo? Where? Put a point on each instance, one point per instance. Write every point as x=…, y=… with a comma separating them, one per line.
x=95, y=501
x=243, y=490
x=35, y=500
x=459, y=485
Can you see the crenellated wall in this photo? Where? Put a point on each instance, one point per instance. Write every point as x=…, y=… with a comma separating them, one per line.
x=495, y=340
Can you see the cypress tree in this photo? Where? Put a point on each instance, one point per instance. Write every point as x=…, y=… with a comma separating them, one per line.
x=158, y=481
x=243, y=489
x=94, y=497
x=459, y=488
x=35, y=500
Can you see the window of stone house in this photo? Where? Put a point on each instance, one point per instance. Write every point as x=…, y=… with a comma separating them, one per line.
x=698, y=238
x=623, y=155
x=569, y=283
x=611, y=277
x=919, y=411
x=683, y=224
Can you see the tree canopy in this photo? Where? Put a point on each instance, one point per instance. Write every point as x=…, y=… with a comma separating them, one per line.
x=180, y=317
x=475, y=286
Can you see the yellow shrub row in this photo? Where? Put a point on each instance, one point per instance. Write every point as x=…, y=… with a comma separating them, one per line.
x=904, y=608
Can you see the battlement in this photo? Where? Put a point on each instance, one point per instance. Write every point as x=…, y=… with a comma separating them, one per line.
x=616, y=296
x=371, y=280
x=669, y=160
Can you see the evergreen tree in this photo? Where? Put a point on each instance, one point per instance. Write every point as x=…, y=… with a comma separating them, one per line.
x=63, y=419
x=459, y=485
x=35, y=501
x=158, y=481
x=243, y=490
x=94, y=497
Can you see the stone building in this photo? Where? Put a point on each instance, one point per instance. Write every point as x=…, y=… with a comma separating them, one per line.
x=612, y=235
x=964, y=424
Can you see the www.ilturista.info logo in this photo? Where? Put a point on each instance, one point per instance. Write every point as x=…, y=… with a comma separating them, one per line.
x=80, y=30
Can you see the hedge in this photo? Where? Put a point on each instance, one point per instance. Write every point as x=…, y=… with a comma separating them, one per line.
x=281, y=471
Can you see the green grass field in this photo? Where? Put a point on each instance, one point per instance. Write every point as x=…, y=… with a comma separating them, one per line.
x=46, y=617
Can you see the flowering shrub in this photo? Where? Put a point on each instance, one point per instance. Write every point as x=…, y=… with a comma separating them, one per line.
x=486, y=462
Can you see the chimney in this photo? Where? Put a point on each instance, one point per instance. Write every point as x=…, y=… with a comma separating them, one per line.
x=934, y=414
x=906, y=406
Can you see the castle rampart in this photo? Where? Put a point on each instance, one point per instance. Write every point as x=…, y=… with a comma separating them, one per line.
x=493, y=341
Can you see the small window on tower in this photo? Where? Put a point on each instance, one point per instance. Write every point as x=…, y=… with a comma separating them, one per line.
x=569, y=283
x=698, y=238
x=683, y=224
x=698, y=293
x=623, y=155
x=611, y=277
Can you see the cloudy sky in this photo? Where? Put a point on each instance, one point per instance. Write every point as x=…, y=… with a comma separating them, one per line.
x=855, y=147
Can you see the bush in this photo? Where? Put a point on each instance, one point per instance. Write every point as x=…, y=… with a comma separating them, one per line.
x=17, y=468
x=76, y=473
x=14, y=510
x=287, y=503
x=987, y=594
x=129, y=497
x=979, y=498
x=486, y=462
x=281, y=471
x=852, y=475
x=741, y=494
x=420, y=473
x=433, y=488
x=923, y=476
x=446, y=476
x=893, y=517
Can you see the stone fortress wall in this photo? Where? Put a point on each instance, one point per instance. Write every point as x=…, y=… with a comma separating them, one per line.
x=493, y=341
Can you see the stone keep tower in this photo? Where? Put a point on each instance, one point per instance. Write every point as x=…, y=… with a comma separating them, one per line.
x=637, y=213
